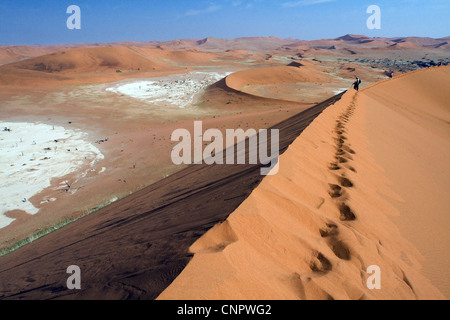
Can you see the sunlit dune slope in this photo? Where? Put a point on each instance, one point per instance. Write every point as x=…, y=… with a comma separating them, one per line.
x=98, y=64
x=303, y=71
x=314, y=230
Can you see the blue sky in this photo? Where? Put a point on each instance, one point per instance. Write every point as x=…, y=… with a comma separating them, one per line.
x=44, y=21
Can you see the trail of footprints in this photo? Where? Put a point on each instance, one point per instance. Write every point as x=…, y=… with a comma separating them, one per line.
x=341, y=164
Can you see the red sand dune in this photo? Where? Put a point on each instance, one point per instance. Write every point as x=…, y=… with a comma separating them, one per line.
x=300, y=81
x=11, y=54
x=405, y=45
x=312, y=231
x=306, y=72
x=98, y=64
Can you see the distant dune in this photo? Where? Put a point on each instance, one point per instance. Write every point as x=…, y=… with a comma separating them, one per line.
x=405, y=45
x=304, y=72
x=88, y=59
x=9, y=54
x=294, y=82
x=312, y=231
x=97, y=64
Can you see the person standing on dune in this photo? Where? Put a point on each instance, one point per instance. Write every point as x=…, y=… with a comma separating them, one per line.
x=356, y=84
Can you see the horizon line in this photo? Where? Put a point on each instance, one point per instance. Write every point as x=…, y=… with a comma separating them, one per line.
x=203, y=38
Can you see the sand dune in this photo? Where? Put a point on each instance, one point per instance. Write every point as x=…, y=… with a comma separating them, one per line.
x=274, y=75
x=64, y=65
x=271, y=44
x=312, y=231
x=422, y=41
x=98, y=64
x=11, y=54
x=414, y=151
x=293, y=82
x=405, y=45
x=252, y=44
x=88, y=59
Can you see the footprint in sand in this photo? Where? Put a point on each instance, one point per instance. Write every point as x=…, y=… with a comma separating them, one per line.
x=346, y=213
x=339, y=248
x=320, y=264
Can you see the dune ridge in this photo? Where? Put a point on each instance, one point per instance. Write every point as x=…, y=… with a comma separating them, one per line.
x=312, y=231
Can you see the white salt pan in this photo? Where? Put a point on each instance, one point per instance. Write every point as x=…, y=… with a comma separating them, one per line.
x=178, y=90
x=33, y=154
